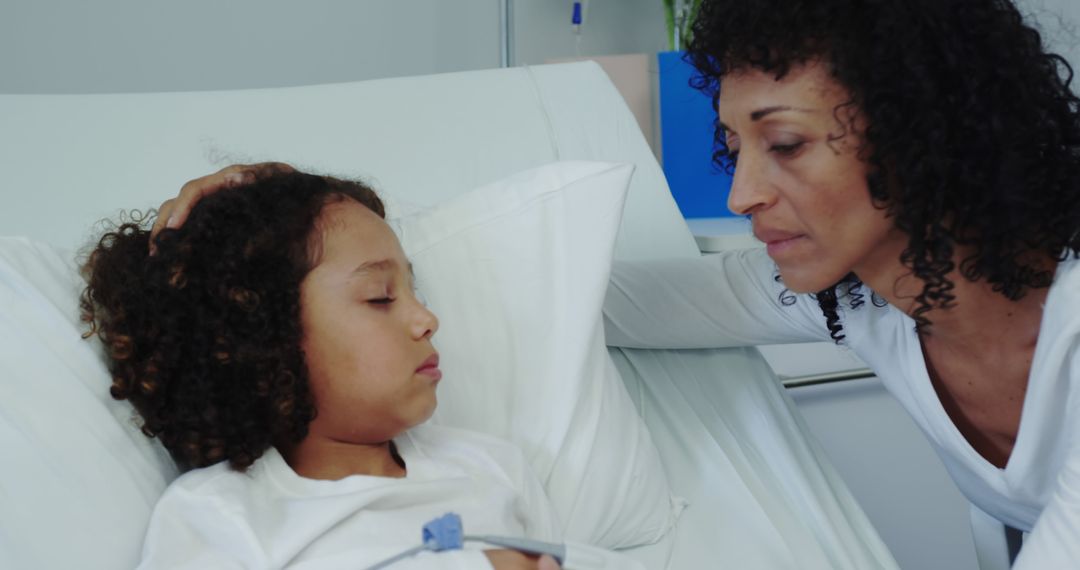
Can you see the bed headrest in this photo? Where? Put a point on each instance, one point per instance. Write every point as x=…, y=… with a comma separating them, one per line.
x=69, y=160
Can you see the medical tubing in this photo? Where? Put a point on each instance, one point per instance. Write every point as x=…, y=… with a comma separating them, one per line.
x=445, y=533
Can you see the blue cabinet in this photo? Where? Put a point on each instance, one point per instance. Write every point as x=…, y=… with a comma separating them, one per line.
x=686, y=133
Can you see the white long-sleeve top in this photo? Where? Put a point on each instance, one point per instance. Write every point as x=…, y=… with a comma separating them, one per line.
x=269, y=517
x=734, y=299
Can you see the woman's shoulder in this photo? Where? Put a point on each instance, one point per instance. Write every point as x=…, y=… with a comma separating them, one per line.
x=1061, y=310
x=1067, y=278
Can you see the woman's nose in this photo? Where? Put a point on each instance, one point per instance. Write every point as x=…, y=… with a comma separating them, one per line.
x=749, y=189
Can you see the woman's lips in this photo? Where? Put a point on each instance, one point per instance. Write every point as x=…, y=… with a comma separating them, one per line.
x=780, y=247
x=777, y=242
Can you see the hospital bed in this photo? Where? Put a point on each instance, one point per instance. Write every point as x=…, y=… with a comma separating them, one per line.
x=761, y=493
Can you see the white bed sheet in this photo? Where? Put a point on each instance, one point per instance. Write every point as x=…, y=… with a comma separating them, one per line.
x=761, y=492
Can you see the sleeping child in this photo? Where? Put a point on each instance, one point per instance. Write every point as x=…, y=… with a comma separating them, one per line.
x=276, y=347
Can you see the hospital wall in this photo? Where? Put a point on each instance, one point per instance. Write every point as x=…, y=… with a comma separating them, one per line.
x=72, y=46
x=1059, y=20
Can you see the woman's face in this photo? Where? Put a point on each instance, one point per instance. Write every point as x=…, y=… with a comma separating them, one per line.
x=800, y=178
x=366, y=337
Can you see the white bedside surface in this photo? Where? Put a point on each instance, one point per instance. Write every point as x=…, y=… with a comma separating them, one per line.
x=793, y=361
x=719, y=234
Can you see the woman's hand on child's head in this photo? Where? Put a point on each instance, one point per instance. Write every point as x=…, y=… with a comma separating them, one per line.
x=514, y=560
x=174, y=212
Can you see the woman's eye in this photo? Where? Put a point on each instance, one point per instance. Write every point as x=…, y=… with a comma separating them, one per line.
x=786, y=149
x=381, y=301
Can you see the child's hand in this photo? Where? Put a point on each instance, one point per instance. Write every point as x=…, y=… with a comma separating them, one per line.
x=514, y=560
x=174, y=212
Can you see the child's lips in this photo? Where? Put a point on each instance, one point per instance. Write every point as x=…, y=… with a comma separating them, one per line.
x=430, y=368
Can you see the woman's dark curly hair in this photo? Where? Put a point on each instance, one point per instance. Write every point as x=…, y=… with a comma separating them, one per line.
x=973, y=136
x=203, y=337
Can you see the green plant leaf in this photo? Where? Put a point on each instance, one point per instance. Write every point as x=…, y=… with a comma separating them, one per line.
x=669, y=18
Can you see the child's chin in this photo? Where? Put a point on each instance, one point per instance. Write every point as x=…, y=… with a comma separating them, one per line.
x=430, y=411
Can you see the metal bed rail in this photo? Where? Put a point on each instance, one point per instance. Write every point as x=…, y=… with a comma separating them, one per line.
x=826, y=378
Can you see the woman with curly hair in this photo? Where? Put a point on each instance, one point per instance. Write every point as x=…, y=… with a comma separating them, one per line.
x=913, y=168
x=276, y=347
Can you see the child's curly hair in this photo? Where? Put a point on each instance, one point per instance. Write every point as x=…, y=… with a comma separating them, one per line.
x=973, y=137
x=203, y=338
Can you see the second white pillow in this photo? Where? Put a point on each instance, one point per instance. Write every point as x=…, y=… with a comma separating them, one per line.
x=516, y=272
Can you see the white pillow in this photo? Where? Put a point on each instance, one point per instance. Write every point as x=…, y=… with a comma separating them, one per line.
x=517, y=272
x=77, y=480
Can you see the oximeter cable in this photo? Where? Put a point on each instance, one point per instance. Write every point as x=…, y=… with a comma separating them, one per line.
x=446, y=533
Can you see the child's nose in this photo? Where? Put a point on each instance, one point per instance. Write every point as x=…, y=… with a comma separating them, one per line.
x=425, y=323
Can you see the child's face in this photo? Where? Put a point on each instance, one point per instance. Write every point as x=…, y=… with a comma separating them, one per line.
x=367, y=339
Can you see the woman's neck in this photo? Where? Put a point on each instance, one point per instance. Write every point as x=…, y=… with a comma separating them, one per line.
x=983, y=319
x=329, y=459
x=978, y=318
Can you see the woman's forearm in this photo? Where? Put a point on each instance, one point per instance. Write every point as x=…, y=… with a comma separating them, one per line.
x=723, y=300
